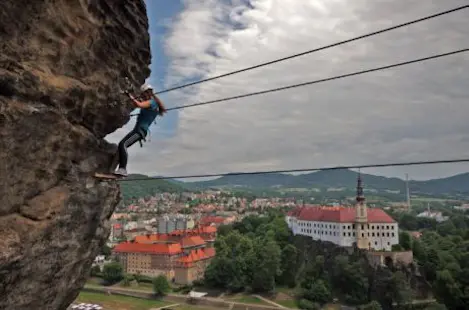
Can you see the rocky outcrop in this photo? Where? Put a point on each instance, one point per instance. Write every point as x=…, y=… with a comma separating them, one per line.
x=62, y=65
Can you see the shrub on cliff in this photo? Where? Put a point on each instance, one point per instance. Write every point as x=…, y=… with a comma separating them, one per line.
x=113, y=273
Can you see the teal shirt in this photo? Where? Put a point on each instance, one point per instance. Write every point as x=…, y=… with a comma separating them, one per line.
x=147, y=116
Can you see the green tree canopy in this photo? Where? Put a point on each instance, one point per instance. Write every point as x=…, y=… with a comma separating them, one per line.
x=113, y=273
x=161, y=286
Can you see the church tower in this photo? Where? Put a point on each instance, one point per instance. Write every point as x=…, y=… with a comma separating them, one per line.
x=361, y=217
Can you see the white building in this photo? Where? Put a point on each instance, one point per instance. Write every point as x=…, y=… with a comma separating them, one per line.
x=344, y=226
x=437, y=216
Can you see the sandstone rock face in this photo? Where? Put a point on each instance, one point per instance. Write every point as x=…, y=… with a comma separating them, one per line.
x=62, y=64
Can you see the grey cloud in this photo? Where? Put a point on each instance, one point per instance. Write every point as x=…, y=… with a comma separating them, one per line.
x=418, y=112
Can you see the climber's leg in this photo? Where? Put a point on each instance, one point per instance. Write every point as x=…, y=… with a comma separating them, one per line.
x=126, y=142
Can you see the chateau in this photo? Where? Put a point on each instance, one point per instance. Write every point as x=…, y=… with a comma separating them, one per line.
x=182, y=255
x=370, y=229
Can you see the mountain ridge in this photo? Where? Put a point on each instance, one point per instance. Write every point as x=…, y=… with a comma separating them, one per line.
x=458, y=183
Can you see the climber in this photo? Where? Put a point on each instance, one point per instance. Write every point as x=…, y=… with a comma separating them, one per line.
x=150, y=107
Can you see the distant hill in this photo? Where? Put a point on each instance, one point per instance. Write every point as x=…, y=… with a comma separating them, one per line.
x=142, y=188
x=323, y=180
x=455, y=184
x=338, y=179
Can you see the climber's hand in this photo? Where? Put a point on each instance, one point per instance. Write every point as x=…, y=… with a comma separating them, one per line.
x=130, y=95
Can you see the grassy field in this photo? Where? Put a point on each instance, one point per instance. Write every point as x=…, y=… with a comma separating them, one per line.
x=116, y=302
x=284, y=298
x=246, y=299
x=193, y=307
x=429, y=199
x=142, y=286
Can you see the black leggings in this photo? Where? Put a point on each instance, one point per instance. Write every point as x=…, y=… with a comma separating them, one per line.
x=127, y=141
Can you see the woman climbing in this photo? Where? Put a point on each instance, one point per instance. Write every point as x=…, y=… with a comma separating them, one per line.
x=150, y=107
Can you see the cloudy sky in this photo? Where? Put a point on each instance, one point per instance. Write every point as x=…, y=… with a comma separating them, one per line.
x=411, y=113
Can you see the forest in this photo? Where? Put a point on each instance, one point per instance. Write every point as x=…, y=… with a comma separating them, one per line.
x=259, y=254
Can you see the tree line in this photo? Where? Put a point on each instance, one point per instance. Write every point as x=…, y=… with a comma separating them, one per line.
x=259, y=254
x=442, y=254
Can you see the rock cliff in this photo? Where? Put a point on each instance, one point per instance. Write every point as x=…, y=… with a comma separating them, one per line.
x=62, y=65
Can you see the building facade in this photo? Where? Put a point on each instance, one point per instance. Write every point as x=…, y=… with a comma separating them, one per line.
x=170, y=223
x=181, y=256
x=371, y=229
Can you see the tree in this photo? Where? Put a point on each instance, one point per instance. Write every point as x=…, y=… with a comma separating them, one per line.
x=448, y=290
x=233, y=267
x=289, y=265
x=308, y=305
x=350, y=279
x=405, y=240
x=106, y=251
x=382, y=287
x=431, y=264
x=318, y=292
x=224, y=230
x=446, y=228
x=436, y=306
x=401, y=291
x=418, y=251
x=281, y=230
x=127, y=280
x=259, y=253
x=408, y=222
x=374, y=305
x=138, y=277
x=95, y=271
x=112, y=273
x=267, y=265
x=218, y=273
x=161, y=286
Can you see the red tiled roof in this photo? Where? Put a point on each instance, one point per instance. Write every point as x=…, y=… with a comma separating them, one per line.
x=416, y=234
x=207, y=229
x=295, y=212
x=341, y=215
x=192, y=241
x=195, y=231
x=158, y=248
x=195, y=256
x=152, y=238
x=117, y=226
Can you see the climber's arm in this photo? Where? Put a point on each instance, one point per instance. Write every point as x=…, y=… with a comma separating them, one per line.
x=160, y=104
x=139, y=104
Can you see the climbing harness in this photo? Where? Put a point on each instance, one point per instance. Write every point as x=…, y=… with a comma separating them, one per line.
x=142, y=135
x=149, y=134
